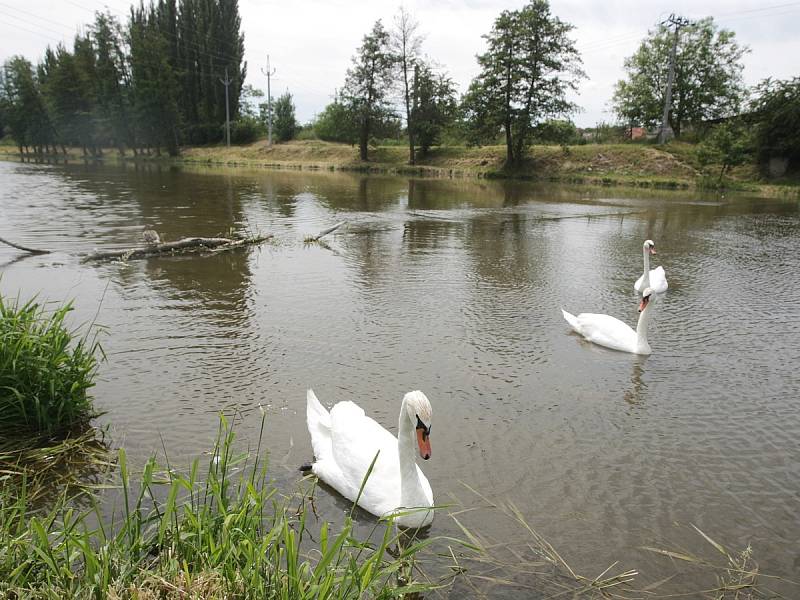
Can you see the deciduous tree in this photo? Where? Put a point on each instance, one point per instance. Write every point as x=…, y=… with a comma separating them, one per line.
x=529, y=66
x=708, y=77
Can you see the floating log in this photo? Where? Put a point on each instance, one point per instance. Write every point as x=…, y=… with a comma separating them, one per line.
x=186, y=245
x=324, y=232
x=24, y=249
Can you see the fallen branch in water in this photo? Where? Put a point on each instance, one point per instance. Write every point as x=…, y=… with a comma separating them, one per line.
x=23, y=248
x=324, y=232
x=184, y=246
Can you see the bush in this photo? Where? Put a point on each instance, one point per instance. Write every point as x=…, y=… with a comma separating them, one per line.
x=776, y=110
x=203, y=133
x=556, y=131
x=728, y=145
x=45, y=371
x=245, y=130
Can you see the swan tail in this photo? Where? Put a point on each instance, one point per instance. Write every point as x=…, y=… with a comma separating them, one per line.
x=318, y=420
x=571, y=319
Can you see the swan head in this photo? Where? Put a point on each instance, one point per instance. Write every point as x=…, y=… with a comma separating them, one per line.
x=419, y=412
x=646, y=295
x=649, y=246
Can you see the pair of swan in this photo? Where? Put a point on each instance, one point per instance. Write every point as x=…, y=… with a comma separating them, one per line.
x=611, y=332
x=345, y=443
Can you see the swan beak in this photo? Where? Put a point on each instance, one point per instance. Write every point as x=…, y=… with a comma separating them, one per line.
x=652, y=249
x=643, y=303
x=424, y=443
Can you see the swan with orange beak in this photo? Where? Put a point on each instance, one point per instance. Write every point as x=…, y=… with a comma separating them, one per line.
x=345, y=443
x=655, y=279
x=610, y=332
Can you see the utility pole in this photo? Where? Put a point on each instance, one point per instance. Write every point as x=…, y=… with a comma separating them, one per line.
x=226, y=82
x=665, y=133
x=269, y=73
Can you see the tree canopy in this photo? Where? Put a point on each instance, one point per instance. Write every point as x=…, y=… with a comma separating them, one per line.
x=528, y=68
x=708, y=77
x=776, y=110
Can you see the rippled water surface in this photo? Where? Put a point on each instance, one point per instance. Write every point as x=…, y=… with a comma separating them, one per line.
x=452, y=287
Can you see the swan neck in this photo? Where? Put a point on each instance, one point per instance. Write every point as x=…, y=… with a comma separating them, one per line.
x=641, y=326
x=411, y=493
x=646, y=280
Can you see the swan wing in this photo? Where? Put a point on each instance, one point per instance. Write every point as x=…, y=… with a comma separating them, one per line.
x=355, y=440
x=639, y=285
x=658, y=280
x=605, y=330
x=318, y=421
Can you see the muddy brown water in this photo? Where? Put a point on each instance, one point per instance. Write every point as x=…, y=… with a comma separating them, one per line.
x=453, y=287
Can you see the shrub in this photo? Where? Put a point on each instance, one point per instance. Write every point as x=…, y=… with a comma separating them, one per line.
x=45, y=371
x=776, y=109
x=245, y=130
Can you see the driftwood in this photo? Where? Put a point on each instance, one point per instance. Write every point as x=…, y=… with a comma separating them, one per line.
x=186, y=245
x=23, y=248
x=324, y=232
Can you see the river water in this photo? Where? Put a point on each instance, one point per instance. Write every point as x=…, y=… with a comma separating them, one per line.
x=453, y=287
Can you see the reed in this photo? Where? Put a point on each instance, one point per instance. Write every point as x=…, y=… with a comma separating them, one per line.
x=46, y=371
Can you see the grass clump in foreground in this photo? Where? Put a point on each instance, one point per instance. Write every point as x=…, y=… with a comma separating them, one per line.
x=219, y=531
x=46, y=371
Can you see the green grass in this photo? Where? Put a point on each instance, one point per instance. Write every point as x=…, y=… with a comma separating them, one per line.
x=219, y=530
x=46, y=371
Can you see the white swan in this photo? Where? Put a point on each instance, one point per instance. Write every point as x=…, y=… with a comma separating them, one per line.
x=613, y=333
x=345, y=441
x=654, y=279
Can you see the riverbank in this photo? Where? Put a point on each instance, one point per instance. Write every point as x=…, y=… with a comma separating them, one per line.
x=675, y=166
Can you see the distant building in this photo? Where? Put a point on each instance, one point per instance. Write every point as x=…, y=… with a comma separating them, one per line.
x=637, y=133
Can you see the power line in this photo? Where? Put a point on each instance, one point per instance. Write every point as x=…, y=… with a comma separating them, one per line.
x=12, y=16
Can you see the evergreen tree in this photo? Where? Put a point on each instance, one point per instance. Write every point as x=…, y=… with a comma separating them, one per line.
x=285, y=121
x=154, y=82
x=526, y=71
x=434, y=106
x=25, y=110
x=112, y=83
x=366, y=89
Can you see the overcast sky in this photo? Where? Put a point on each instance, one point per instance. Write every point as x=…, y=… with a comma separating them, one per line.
x=311, y=42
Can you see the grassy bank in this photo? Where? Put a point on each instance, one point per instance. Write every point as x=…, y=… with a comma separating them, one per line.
x=674, y=166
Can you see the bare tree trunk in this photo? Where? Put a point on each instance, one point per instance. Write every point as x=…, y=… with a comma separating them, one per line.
x=24, y=248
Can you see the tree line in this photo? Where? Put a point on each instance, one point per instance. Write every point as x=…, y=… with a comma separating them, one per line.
x=153, y=83
x=148, y=84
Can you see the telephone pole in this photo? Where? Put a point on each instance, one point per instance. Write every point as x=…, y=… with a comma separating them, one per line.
x=269, y=73
x=226, y=82
x=666, y=133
